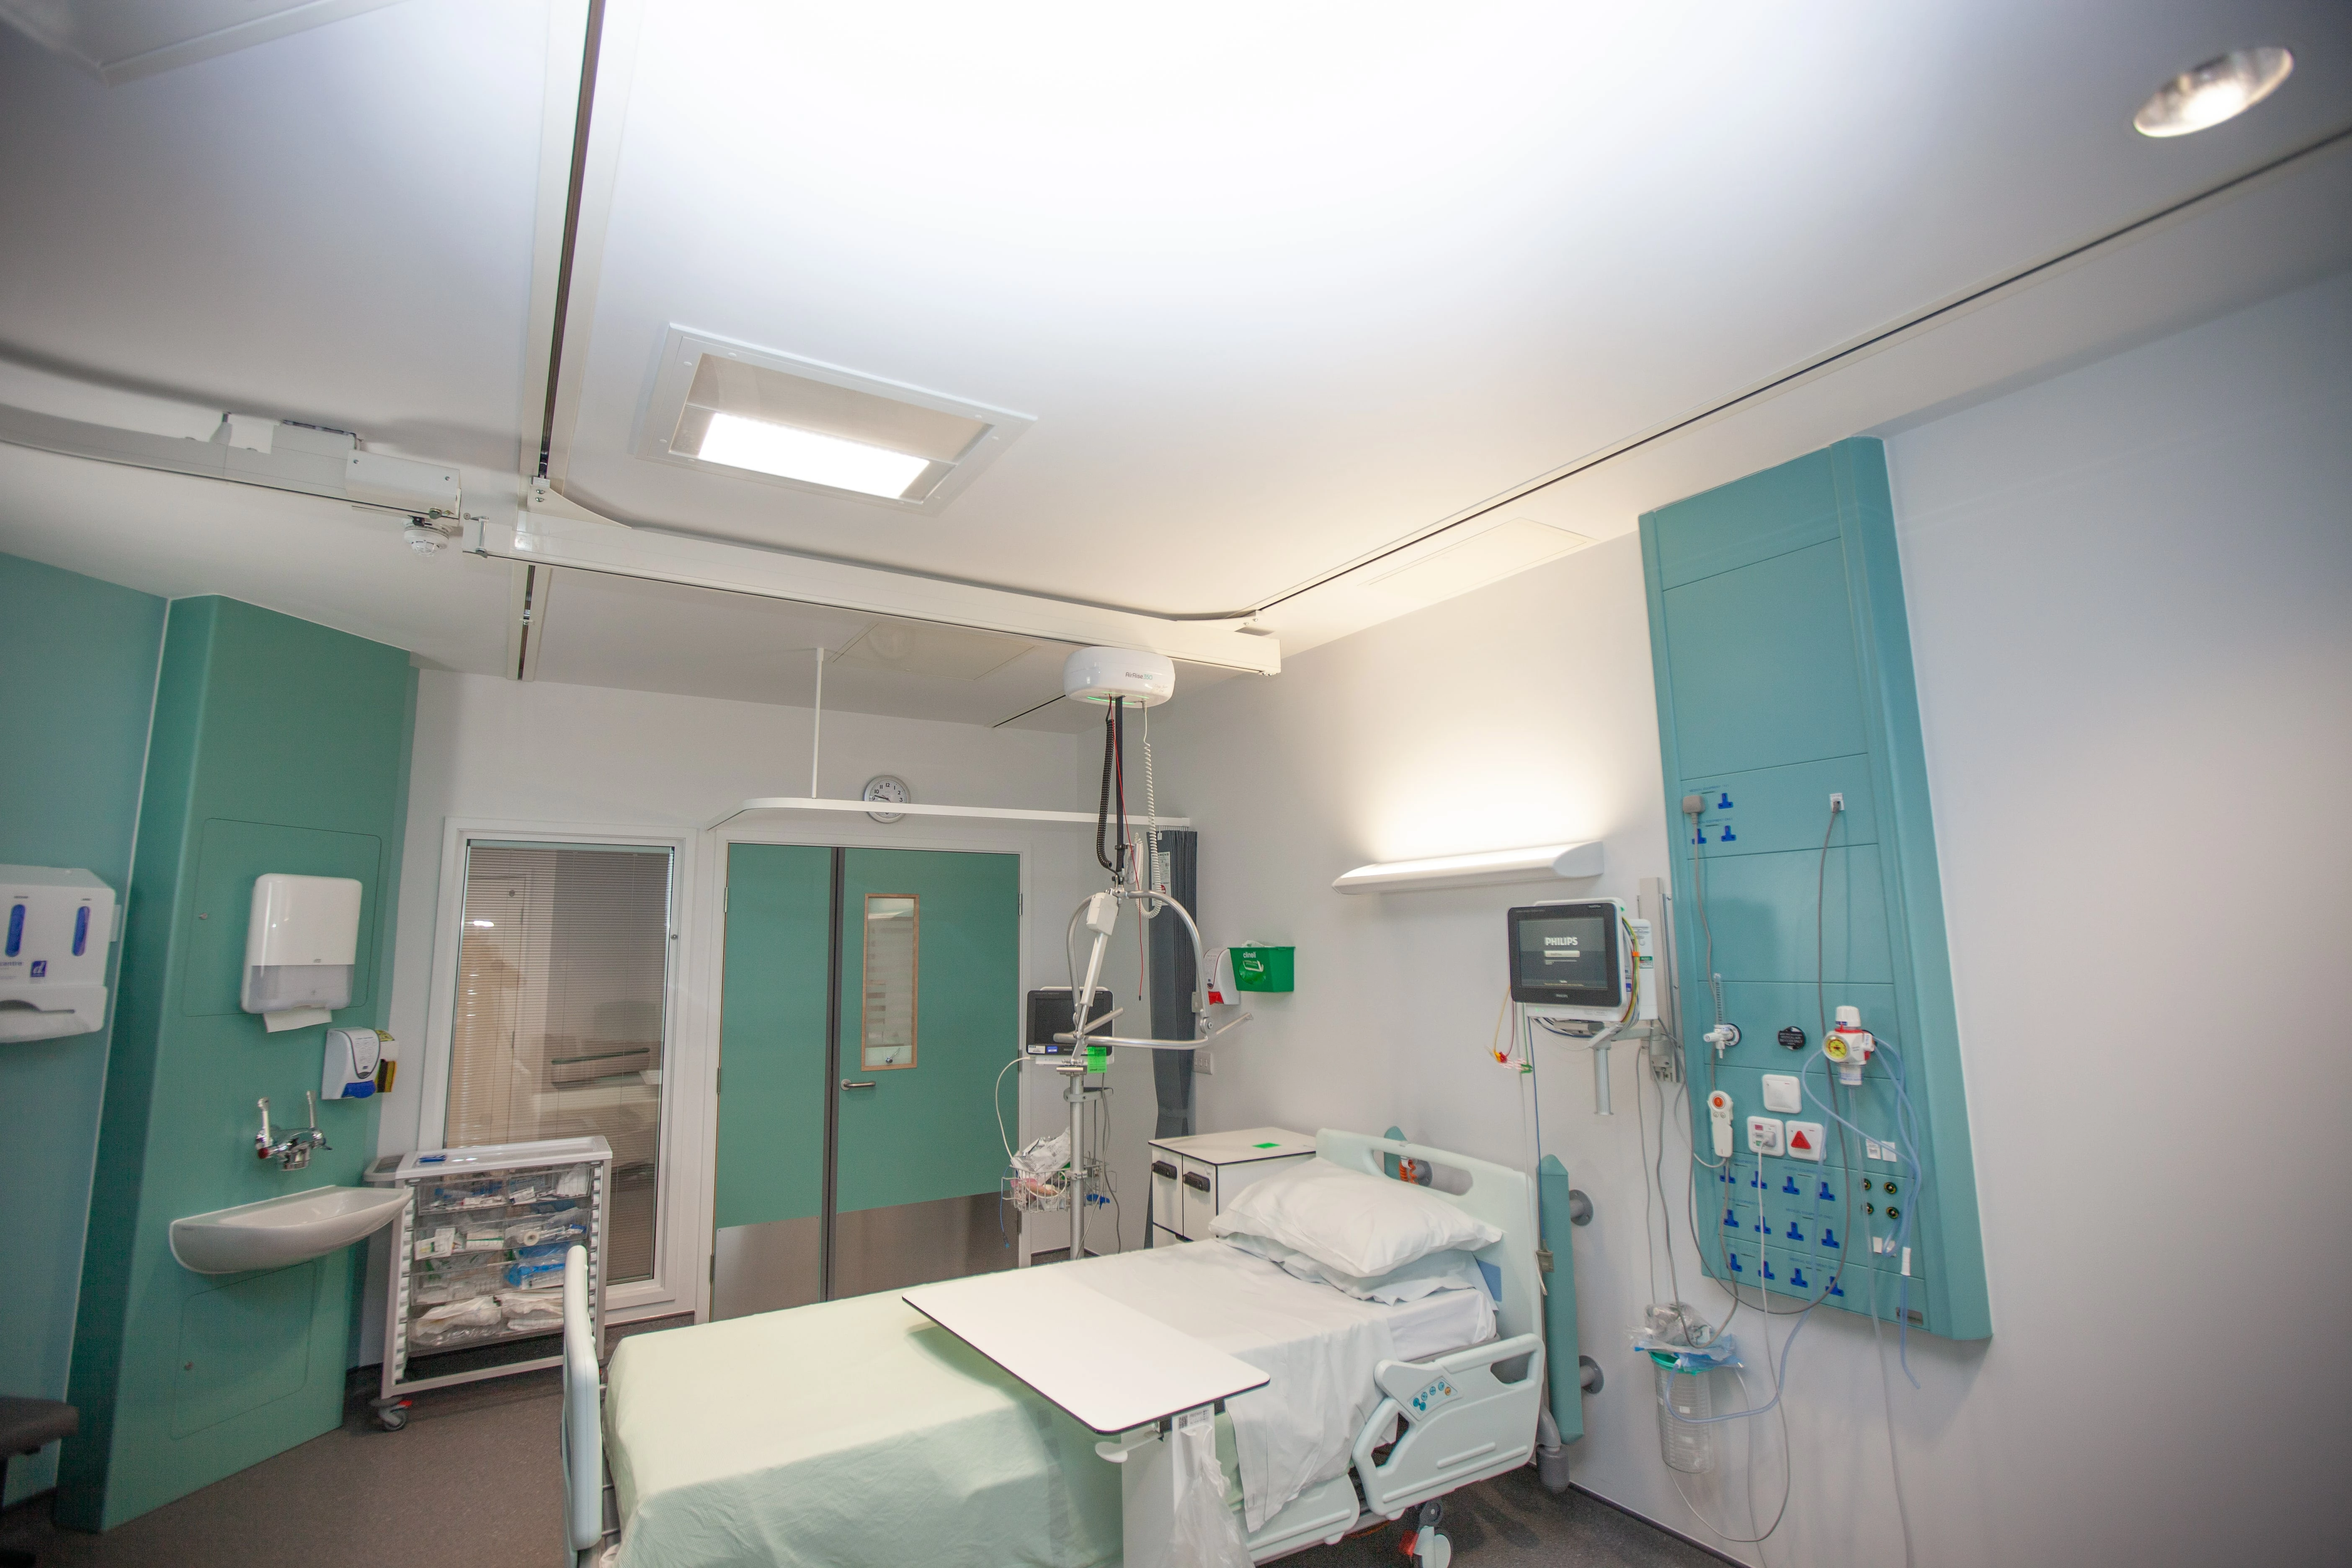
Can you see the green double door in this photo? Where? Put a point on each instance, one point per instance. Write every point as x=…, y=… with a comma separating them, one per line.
x=869, y=1000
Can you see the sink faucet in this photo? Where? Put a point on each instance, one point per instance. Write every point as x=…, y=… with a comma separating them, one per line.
x=292, y=1152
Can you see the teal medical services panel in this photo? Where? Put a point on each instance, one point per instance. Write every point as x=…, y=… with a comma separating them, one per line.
x=1783, y=663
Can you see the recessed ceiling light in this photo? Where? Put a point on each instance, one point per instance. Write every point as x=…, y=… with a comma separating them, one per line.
x=2219, y=90
x=804, y=455
x=814, y=427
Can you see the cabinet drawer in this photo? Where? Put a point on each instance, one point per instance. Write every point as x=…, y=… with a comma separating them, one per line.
x=1196, y=1184
x=1164, y=1237
x=1166, y=1201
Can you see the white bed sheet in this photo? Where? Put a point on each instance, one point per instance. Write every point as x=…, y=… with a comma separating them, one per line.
x=1319, y=1346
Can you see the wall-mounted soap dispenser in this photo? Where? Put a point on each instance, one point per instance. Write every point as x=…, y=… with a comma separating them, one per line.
x=360, y=1064
x=299, y=947
x=55, y=925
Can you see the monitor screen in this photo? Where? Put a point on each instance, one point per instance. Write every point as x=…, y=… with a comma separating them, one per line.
x=1565, y=955
x=1050, y=1014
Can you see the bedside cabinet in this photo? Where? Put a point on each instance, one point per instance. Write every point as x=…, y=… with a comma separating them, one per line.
x=1193, y=1179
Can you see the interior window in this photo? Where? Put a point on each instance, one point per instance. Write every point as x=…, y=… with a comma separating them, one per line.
x=562, y=964
x=893, y=938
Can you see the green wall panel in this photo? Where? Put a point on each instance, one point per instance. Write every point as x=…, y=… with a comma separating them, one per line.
x=1783, y=668
x=277, y=745
x=79, y=658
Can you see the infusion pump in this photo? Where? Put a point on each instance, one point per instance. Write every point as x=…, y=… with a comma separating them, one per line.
x=1591, y=960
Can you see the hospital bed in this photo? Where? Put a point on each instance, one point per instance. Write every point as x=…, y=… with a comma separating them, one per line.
x=860, y=1431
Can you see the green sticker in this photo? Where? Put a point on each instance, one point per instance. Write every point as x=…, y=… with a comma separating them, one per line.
x=1268, y=1146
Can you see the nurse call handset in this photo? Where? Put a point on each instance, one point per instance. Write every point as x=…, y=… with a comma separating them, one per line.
x=1718, y=1116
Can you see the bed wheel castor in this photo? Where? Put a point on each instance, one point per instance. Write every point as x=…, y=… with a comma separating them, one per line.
x=392, y=1418
x=1427, y=1548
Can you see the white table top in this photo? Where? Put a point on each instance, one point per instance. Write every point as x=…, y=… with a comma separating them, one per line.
x=1108, y=1365
x=1241, y=1146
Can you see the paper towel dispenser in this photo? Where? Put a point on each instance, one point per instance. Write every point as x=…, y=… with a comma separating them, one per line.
x=299, y=947
x=57, y=924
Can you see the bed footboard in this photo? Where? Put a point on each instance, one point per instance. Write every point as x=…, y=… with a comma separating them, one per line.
x=1462, y=1423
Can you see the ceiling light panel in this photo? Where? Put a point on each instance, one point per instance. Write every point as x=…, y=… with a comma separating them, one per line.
x=788, y=452
x=780, y=419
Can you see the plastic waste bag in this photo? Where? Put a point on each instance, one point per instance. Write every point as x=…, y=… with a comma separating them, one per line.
x=1207, y=1533
x=1041, y=1157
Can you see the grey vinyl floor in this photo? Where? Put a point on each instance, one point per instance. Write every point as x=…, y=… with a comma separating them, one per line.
x=473, y=1483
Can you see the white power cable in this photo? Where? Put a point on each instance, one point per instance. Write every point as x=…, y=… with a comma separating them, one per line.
x=996, y=1098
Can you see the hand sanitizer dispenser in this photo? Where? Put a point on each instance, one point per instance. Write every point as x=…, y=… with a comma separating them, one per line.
x=55, y=925
x=359, y=1065
x=299, y=947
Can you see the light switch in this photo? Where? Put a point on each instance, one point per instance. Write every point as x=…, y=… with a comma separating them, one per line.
x=1805, y=1140
x=1782, y=1092
x=1764, y=1135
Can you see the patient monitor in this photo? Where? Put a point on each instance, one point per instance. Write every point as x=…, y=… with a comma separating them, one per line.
x=1586, y=971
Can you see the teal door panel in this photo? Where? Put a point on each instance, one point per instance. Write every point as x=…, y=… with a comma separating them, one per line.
x=230, y=856
x=930, y=1131
x=242, y=1346
x=773, y=1074
x=1763, y=665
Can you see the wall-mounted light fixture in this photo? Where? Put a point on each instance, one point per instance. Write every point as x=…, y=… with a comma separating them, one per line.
x=1538, y=864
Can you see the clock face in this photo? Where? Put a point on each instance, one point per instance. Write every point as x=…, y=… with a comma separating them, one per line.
x=888, y=788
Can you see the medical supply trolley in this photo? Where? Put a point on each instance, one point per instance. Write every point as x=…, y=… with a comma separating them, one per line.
x=478, y=1260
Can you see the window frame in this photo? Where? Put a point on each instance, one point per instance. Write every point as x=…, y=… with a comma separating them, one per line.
x=677, y=1254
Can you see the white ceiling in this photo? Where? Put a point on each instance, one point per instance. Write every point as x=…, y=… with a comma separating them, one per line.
x=1283, y=287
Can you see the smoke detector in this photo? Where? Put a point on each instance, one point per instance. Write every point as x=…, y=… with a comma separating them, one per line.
x=1099, y=674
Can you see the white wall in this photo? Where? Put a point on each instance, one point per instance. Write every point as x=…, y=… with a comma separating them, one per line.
x=561, y=757
x=2130, y=590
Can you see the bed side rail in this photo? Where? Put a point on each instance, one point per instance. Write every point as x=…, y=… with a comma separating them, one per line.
x=1462, y=1423
x=584, y=1424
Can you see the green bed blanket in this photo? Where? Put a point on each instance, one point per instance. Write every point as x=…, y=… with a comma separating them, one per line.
x=904, y=1446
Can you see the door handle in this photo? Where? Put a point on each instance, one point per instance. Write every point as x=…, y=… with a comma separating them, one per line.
x=867, y=1083
x=1162, y=1168
x=1196, y=1181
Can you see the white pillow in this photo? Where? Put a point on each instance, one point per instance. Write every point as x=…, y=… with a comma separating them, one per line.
x=1351, y=1221
x=1449, y=1269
